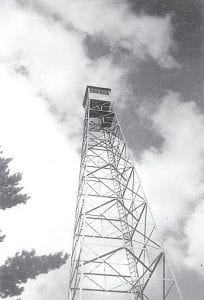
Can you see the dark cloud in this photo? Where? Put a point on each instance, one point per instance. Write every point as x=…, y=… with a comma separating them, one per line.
x=149, y=82
x=146, y=78
x=96, y=47
x=137, y=129
x=187, y=21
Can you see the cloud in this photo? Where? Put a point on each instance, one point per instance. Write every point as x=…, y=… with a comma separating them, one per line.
x=54, y=59
x=194, y=233
x=143, y=35
x=52, y=53
x=173, y=176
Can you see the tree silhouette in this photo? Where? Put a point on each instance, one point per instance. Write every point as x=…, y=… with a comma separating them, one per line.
x=10, y=191
x=26, y=265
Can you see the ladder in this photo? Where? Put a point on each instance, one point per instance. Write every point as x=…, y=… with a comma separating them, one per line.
x=126, y=233
x=132, y=263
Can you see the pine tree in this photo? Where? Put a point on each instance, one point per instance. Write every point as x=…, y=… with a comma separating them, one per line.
x=10, y=191
x=26, y=265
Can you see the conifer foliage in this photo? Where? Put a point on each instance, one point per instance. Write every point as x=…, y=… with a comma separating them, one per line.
x=26, y=265
x=10, y=191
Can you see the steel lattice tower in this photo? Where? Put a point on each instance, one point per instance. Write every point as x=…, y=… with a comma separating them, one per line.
x=116, y=252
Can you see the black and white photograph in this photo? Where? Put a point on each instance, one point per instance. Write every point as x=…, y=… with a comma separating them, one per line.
x=101, y=150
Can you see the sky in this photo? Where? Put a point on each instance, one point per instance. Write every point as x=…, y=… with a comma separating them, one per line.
x=150, y=53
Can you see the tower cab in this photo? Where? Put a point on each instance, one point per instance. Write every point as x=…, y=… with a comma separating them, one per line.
x=98, y=101
x=96, y=93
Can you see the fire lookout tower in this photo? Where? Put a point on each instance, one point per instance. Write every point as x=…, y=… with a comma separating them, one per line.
x=116, y=252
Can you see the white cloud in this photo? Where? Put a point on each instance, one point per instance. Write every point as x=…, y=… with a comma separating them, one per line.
x=54, y=58
x=173, y=176
x=194, y=233
x=145, y=36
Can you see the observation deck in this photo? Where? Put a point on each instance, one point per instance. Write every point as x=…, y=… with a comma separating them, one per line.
x=96, y=93
x=98, y=101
